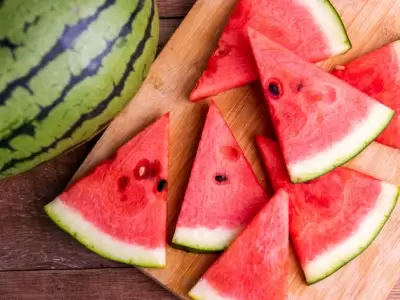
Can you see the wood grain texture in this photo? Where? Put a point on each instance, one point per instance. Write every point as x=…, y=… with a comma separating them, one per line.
x=108, y=284
x=167, y=28
x=174, y=8
x=370, y=24
x=28, y=238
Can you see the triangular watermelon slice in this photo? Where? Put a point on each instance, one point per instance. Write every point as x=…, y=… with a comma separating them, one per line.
x=333, y=218
x=223, y=193
x=120, y=210
x=377, y=75
x=255, y=266
x=321, y=122
x=311, y=28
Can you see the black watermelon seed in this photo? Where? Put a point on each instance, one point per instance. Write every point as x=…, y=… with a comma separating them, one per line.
x=220, y=178
x=161, y=185
x=274, y=89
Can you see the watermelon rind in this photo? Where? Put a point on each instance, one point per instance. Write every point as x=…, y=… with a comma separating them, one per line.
x=396, y=45
x=67, y=68
x=204, y=239
x=335, y=258
x=203, y=291
x=192, y=250
x=350, y=146
x=331, y=24
x=72, y=222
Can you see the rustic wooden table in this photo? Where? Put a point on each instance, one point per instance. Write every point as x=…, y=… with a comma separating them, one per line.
x=39, y=261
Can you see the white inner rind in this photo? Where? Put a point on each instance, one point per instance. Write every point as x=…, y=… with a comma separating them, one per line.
x=334, y=258
x=203, y=238
x=204, y=291
x=342, y=151
x=329, y=23
x=396, y=46
x=100, y=242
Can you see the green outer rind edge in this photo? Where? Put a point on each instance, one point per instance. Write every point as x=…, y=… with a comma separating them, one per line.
x=58, y=221
x=341, y=24
x=343, y=263
x=192, y=249
x=194, y=297
x=343, y=160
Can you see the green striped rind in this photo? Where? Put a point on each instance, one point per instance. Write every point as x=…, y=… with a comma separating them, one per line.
x=76, y=92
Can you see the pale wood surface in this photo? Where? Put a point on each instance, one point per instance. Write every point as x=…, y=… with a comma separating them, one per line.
x=370, y=24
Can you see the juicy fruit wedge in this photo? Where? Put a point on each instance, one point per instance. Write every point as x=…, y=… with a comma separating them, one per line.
x=311, y=28
x=333, y=218
x=377, y=75
x=256, y=264
x=120, y=210
x=223, y=193
x=321, y=122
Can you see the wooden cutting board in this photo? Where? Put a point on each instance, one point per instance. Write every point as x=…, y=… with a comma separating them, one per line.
x=370, y=24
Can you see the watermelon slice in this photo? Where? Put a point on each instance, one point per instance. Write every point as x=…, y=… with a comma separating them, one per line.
x=377, y=75
x=255, y=266
x=120, y=210
x=321, y=122
x=333, y=218
x=223, y=193
x=312, y=29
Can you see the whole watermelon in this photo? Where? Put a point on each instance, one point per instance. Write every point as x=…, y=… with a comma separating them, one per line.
x=66, y=68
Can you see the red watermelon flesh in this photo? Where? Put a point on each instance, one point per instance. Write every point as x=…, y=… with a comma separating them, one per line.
x=377, y=75
x=332, y=218
x=223, y=193
x=321, y=122
x=310, y=28
x=231, y=65
x=119, y=210
x=255, y=266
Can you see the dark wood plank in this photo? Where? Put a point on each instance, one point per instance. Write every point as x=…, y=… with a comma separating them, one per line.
x=167, y=28
x=107, y=284
x=28, y=239
x=395, y=293
x=174, y=8
x=88, y=284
